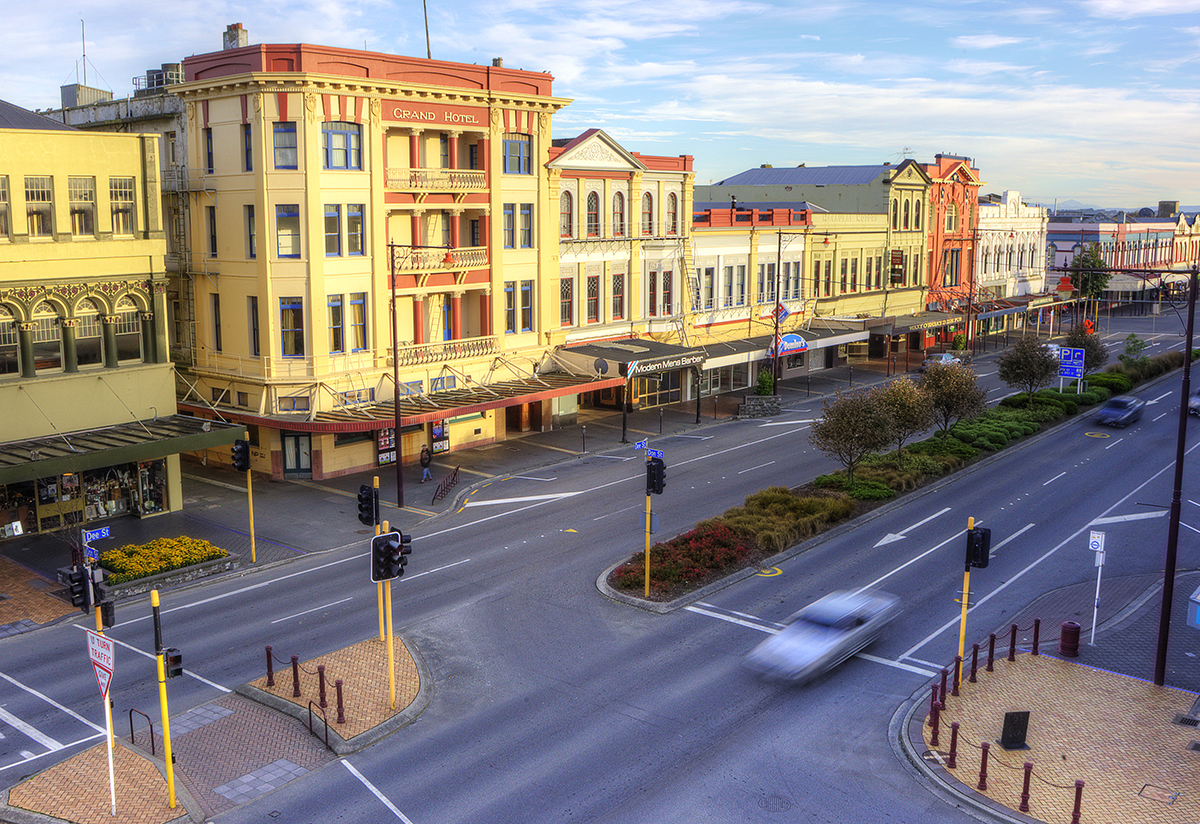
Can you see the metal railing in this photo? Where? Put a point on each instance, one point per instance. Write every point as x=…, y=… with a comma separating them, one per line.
x=418, y=258
x=445, y=486
x=437, y=179
x=428, y=353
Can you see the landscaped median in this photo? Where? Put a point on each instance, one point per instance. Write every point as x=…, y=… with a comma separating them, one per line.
x=135, y=569
x=775, y=519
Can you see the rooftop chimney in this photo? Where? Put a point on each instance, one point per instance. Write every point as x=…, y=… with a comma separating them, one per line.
x=235, y=37
x=498, y=62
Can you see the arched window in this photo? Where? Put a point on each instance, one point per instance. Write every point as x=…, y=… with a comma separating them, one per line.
x=129, y=330
x=566, y=216
x=47, y=348
x=917, y=216
x=88, y=334
x=10, y=361
x=906, y=224
x=895, y=214
x=593, y=214
x=618, y=216
x=647, y=214
x=672, y=214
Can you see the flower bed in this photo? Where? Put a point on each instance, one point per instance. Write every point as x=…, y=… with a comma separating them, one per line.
x=135, y=561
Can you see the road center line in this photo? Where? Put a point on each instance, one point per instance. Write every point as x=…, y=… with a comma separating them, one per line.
x=553, y=496
x=1014, y=536
x=382, y=798
x=1055, y=478
x=896, y=664
x=1114, y=443
x=53, y=703
x=731, y=619
x=30, y=731
x=751, y=469
x=314, y=609
x=145, y=654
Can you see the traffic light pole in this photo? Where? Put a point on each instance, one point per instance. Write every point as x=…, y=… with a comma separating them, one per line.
x=962, y=627
x=379, y=586
x=162, y=699
x=647, y=541
x=250, y=503
x=391, y=656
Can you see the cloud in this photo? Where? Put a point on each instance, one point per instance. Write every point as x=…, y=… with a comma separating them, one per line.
x=984, y=41
x=980, y=68
x=1125, y=9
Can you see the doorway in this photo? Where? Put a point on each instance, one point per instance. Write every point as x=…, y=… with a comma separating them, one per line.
x=297, y=455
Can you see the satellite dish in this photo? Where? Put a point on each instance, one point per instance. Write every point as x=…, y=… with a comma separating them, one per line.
x=601, y=366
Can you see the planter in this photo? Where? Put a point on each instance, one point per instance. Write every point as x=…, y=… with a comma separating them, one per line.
x=760, y=406
x=166, y=580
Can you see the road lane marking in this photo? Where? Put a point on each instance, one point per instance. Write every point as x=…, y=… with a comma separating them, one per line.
x=877, y=581
x=1114, y=443
x=1137, y=516
x=1055, y=478
x=760, y=466
x=1163, y=415
x=615, y=511
x=382, y=798
x=553, y=496
x=786, y=423
x=733, y=620
x=696, y=437
x=314, y=609
x=31, y=757
x=616, y=457
x=898, y=665
x=152, y=657
x=53, y=703
x=1159, y=398
x=896, y=536
x=30, y=731
x=1022, y=530
x=530, y=478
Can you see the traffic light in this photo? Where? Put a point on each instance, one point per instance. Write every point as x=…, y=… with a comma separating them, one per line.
x=79, y=580
x=241, y=455
x=368, y=505
x=387, y=555
x=174, y=661
x=108, y=614
x=979, y=546
x=656, y=476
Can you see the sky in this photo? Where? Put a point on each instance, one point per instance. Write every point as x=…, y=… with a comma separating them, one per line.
x=1092, y=101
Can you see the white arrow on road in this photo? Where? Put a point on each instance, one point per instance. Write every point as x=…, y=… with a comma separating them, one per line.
x=1137, y=516
x=892, y=537
x=1159, y=398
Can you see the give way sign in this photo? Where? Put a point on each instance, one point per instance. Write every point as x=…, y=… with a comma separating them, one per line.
x=100, y=650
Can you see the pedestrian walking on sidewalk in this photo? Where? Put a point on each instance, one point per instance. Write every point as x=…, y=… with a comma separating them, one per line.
x=426, y=460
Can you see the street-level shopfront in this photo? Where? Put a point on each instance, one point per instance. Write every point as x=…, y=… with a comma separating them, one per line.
x=70, y=481
x=655, y=373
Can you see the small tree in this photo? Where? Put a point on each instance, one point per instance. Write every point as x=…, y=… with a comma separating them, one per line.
x=851, y=426
x=953, y=392
x=1132, y=356
x=910, y=410
x=766, y=383
x=1095, y=353
x=1028, y=366
x=1089, y=271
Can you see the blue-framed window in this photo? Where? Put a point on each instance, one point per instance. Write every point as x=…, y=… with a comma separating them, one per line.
x=251, y=234
x=509, y=226
x=208, y=150
x=526, y=225
x=517, y=154
x=341, y=145
x=355, y=229
x=510, y=307
x=216, y=320
x=333, y=230
x=358, y=321
x=248, y=147
x=287, y=229
x=527, y=306
x=443, y=383
x=212, y=230
x=291, y=326
x=337, y=325
x=253, y=313
x=285, y=144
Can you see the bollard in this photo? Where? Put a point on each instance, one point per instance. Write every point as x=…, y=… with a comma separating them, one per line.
x=991, y=651
x=660, y=417
x=945, y=675
x=982, y=785
x=952, y=761
x=1025, y=789
x=295, y=676
x=808, y=385
x=1012, y=644
x=974, y=662
x=321, y=679
x=1078, y=801
x=1068, y=639
x=937, y=715
x=337, y=685
x=584, y=430
x=957, y=671
x=714, y=407
x=1037, y=628
x=270, y=668
x=852, y=376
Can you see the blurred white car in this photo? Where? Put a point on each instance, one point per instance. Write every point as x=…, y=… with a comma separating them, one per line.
x=823, y=634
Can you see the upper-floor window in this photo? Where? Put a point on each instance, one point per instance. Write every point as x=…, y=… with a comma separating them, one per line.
x=917, y=215
x=247, y=148
x=509, y=226
x=285, y=144
x=647, y=214
x=566, y=215
x=444, y=150
x=337, y=324
x=208, y=150
x=618, y=216
x=81, y=195
x=4, y=207
x=895, y=214
x=291, y=327
x=672, y=214
x=526, y=225
x=341, y=145
x=287, y=229
x=333, y=234
x=593, y=214
x=358, y=321
x=517, y=154
x=356, y=229
x=39, y=205
x=952, y=218
x=120, y=195
x=212, y=230
x=906, y=215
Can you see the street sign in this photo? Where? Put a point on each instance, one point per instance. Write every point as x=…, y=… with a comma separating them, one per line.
x=1096, y=541
x=90, y=535
x=1070, y=371
x=640, y=445
x=654, y=453
x=1067, y=355
x=100, y=650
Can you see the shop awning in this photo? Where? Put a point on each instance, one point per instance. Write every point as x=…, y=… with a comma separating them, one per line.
x=146, y=440
x=924, y=320
x=418, y=409
x=629, y=357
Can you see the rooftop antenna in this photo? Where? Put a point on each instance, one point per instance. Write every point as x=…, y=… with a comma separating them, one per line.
x=428, y=51
x=83, y=37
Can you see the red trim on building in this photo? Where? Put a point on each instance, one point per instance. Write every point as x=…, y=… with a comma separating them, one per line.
x=281, y=100
x=204, y=113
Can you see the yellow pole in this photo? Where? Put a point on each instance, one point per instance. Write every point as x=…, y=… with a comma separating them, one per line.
x=962, y=630
x=391, y=657
x=378, y=585
x=250, y=503
x=166, y=716
x=647, y=541
x=99, y=617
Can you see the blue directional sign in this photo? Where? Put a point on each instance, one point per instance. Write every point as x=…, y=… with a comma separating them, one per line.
x=640, y=445
x=1070, y=362
x=90, y=535
x=1070, y=371
x=654, y=453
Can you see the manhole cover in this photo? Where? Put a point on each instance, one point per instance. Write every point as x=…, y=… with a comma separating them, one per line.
x=775, y=804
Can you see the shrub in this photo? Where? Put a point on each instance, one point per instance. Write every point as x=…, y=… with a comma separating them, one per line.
x=711, y=548
x=134, y=561
x=940, y=445
x=866, y=490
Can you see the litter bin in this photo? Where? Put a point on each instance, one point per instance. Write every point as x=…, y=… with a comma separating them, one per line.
x=1068, y=639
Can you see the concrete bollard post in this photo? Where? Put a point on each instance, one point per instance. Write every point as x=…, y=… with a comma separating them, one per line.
x=321, y=679
x=341, y=718
x=270, y=668
x=295, y=676
x=952, y=761
x=991, y=651
x=1078, y=802
x=1037, y=629
x=1025, y=789
x=974, y=662
x=937, y=716
x=982, y=785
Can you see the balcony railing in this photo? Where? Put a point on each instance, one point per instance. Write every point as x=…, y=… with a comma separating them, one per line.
x=439, y=180
x=448, y=350
x=427, y=258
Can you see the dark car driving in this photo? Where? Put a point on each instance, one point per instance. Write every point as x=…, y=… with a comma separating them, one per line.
x=1120, y=411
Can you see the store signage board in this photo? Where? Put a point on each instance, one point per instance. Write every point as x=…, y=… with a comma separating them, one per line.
x=100, y=650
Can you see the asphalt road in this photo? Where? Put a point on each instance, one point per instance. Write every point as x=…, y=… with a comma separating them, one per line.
x=553, y=703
